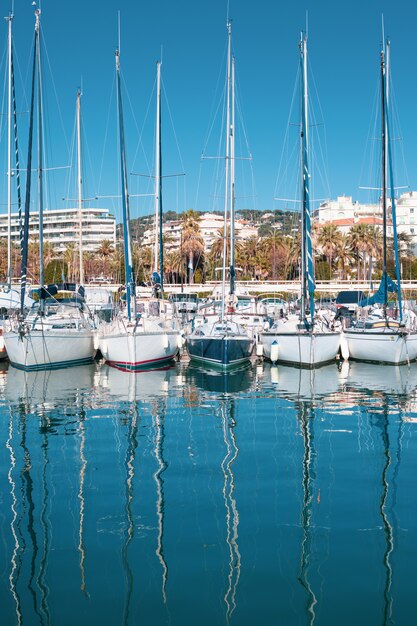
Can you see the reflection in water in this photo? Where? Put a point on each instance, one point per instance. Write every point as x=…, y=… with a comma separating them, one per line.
x=132, y=444
x=212, y=380
x=388, y=531
x=15, y=559
x=158, y=423
x=28, y=504
x=226, y=384
x=306, y=425
x=44, y=589
x=81, y=498
x=250, y=511
x=227, y=409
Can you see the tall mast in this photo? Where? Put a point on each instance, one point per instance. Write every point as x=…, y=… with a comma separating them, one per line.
x=80, y=212
x=227, y=162
x=40, y=153
x=159, y=245
x=391, y=178
x=232, y=269
x=25, y=229
x=9, y=154
x=384, y=180
x=130, y=284
x=307, y=270
x=157, y=166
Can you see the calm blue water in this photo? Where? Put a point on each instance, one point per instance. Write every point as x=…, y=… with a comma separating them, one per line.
x=272, y=496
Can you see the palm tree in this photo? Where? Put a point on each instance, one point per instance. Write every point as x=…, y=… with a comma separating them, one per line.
x=142, y=262
x=192, y=243
x=33, y=260
x=364, y=241
x=344, y=256
x=356, y=238
x=328, y=239
x=247, y=256
x=275, y=253
x=69, y=259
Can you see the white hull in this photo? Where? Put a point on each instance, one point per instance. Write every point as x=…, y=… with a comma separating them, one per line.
x=387, y=346
x=134, y=347
x=300, y=348
x=303, y=383
x=49, y=349
x=52, y=386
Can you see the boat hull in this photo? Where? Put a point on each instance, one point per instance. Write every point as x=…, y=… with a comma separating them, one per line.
x=140, y=350
x=223, y=352
x=301, y=349
x=49, y=349
x=386, y=347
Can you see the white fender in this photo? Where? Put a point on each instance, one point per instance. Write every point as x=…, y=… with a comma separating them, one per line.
x=274, y=351
x=344, y=348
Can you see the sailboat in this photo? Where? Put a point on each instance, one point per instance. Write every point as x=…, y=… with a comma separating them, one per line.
x=54, y=333
x=9, y=297
x=379, y=337
x=303, y=339
x=136, y=339
x=223, y=342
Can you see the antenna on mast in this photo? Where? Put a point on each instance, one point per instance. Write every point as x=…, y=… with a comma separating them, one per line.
x=383, y=31
x=118, y=31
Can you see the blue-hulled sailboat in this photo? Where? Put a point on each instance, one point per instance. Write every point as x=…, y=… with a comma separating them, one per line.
x=222, y=342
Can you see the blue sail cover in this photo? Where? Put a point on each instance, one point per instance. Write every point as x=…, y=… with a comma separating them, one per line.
x=308, y=249
x=379, y=296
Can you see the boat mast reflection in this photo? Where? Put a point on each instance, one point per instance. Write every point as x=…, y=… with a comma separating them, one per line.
x=81, y=498
x=158, y=419
x=45, y=425
x=388, y=530
x=130, y=524
x=222, y=389
x=16, y=561
x=227, y=410
x=305, y=413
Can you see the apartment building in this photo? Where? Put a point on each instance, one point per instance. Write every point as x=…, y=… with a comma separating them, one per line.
x=62, y=226
x=344, y=213
x=210, y=224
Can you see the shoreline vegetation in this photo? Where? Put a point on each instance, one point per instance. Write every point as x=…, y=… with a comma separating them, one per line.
x=272, y=256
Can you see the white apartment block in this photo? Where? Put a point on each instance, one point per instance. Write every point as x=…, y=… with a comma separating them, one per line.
x=210, y=224
x=62, y=227
x=344, y=212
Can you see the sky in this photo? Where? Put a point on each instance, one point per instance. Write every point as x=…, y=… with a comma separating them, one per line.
x=80, y=39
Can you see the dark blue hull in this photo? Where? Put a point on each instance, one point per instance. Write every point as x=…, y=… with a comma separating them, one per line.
x=223, y=352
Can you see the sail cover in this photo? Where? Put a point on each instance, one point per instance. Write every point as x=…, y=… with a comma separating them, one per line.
x=379, y=297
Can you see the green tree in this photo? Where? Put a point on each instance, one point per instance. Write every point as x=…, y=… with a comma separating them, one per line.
x=192, y=244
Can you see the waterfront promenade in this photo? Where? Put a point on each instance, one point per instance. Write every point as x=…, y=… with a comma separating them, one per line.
x=258, y=287
x=283, y=286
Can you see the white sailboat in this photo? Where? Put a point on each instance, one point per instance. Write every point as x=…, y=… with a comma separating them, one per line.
x=136, y=340
x=378, y=336
x=221, y=341
x=306, y=340
x=54, y=333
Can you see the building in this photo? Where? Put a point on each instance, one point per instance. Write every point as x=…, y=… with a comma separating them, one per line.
x=210, y=224
x=344, y=213
x=61, y=227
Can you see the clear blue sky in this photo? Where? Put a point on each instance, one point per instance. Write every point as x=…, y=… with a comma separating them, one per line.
x=81, y=37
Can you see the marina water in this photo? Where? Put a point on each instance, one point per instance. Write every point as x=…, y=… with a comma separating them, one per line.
x=270, y=495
